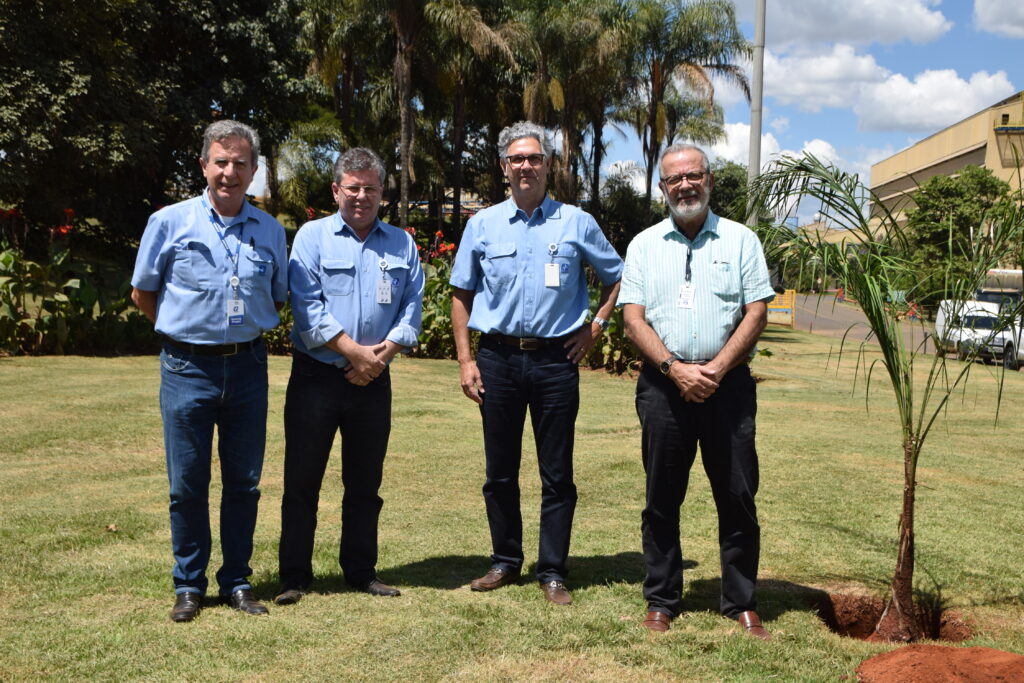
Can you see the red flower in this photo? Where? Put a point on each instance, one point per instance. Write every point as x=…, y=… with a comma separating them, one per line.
x=438, y=234
x=70, y=214
x=310, y=213
x=411, y=230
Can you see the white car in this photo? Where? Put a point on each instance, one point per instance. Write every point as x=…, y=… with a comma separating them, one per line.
x=976, y=329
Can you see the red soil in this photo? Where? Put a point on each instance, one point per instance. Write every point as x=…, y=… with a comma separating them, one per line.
x=940, y=664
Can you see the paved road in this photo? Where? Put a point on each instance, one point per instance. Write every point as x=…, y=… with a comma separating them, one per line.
x=824, y=315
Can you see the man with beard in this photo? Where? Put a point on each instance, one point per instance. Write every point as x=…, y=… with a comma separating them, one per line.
x=695, y=293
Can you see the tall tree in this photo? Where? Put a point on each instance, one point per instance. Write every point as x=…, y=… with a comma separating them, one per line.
x=688, y=42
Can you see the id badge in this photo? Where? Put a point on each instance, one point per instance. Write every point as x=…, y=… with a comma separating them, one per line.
x=686, y=293
x=384, y=291
x=551, y=276
x=236, y=312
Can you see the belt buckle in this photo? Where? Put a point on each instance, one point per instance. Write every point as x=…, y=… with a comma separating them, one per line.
x=233, y=351
x=529, y=343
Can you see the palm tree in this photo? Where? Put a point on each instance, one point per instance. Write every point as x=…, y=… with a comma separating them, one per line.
x=876, y=262
x=687, y=42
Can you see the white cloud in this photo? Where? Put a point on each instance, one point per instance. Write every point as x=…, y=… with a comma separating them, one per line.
x=1002, y=17
x=932, y=101
x=812, y=81
x=736, y=146
x=790, y=22
x=779, y=125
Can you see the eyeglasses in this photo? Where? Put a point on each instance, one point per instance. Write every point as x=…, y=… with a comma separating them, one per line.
x=695, y=178
x=354, y=190
x=520, y=159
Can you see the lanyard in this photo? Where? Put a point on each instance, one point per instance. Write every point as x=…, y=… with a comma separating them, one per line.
x=233, y=258
x=689, y=259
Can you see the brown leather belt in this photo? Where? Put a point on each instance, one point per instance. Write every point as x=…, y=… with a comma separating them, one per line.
x=213, y=349
x=526, y=343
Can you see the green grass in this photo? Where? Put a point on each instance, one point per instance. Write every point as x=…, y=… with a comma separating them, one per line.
x=85, y=582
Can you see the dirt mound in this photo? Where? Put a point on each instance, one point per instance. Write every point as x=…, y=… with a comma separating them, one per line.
x=940, y=664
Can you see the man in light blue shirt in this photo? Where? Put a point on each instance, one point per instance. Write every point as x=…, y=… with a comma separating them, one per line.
x=211, y=274
x=519, y=281
x=356, y=293
x=695, y=293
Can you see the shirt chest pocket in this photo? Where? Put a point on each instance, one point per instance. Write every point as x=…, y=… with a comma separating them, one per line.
x=567, y=258
x=193, y=267
x=723, y=281
x=337, y=276
x=256, y=270
x=397, y=275
x=499, y=263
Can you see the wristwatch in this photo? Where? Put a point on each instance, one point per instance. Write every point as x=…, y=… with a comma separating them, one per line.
x=667, y=364
x=601, y=322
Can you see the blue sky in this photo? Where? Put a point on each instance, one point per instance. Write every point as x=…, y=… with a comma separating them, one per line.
x=855, y=81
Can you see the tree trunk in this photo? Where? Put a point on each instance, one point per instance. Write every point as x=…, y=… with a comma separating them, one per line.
x=271, y=193
x=497, y=177
x=898, y=621
x=403, y=67
x=458, y=147
x=597, y=123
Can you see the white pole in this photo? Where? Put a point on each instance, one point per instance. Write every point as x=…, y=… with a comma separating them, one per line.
x=754, y=160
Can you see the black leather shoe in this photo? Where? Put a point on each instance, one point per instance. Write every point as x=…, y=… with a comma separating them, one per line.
x=289, y=596
x=378, y=587
x=186, y=606
x=244, y=601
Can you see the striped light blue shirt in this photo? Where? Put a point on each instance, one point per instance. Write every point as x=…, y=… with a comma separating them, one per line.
x=334, y=276
x=728, y=271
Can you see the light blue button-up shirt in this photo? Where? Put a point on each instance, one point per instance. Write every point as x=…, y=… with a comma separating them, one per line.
x=727, y=269
x=334, y=277
x=502, y=258
x=182, y=258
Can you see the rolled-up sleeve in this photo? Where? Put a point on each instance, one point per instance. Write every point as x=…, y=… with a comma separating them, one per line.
x=466, y=269
x=410, y=309
x=757, y=284
x=315, y=325
x=632, y=291
x=154, y=251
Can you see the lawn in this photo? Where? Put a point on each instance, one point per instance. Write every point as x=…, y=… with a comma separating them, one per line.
x=85, y=588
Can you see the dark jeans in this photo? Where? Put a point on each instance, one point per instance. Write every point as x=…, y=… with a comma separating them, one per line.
x=319, y=402
x=724, y=427
x=548, y=383
x=198, y=393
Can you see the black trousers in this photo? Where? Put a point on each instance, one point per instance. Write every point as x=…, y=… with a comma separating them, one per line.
x=320, y=402
x=547, y=383
x=672, y=428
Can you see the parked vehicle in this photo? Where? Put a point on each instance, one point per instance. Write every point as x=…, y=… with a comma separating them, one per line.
x=979, y=329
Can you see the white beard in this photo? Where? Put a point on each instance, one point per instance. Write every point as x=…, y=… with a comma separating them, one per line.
x=686, y=212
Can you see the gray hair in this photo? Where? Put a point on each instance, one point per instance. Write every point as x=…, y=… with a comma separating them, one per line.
x=524, y=129
x=359, y=159
x=226, y=128
x=684, y=147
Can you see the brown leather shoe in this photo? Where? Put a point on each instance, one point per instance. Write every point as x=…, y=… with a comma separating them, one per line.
x=657, y=621
x=289, y=596
x=244, y=601
x=186, y=606
x=752, y=623
x=494, y=578
x=381, y=589
x=556, y=592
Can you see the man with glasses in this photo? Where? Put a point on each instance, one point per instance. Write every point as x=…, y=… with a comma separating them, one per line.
x=695, y=294
x=519, y=280
x=210, y=274
x=356, y=294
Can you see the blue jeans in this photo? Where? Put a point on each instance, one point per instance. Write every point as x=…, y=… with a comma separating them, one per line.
x=547, y=383
x=196, y=393
x=320, y=403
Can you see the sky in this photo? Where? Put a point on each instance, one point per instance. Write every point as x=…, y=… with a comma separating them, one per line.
x=855, y=81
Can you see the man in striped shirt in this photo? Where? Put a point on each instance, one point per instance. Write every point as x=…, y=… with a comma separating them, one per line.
x=695, y=291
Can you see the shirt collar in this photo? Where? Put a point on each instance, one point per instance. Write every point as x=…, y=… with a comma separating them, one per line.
x=341, y=226
x=709, y=228
x=548, y=208
x=243, y=214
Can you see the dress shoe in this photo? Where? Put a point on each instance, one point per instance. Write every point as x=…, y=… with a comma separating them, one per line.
x=657, y=621
x=494, y=578
x=244, y=601
x=556, y=592
x=289, y=596
x=752, y=623
x=186, y=606
x=378, y=587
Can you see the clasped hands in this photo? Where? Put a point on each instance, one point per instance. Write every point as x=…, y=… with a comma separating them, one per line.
x=366, y=363
x=696, y=382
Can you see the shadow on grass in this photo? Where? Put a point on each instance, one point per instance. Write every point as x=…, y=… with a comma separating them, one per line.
x=774, y=597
